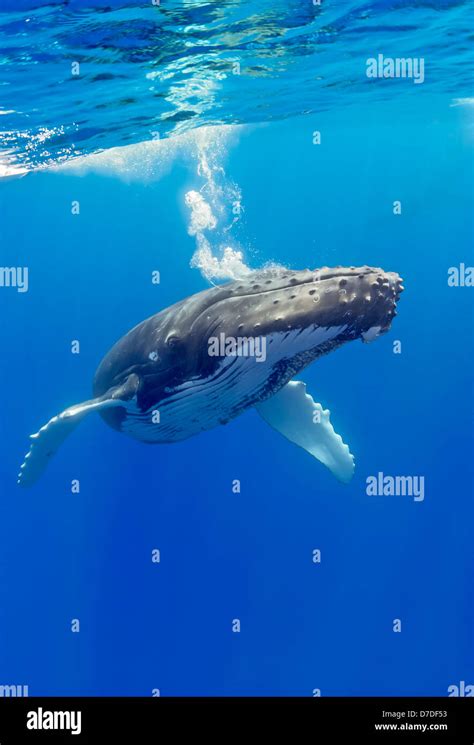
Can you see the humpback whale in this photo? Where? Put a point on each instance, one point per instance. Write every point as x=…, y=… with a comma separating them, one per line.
x=160, y=384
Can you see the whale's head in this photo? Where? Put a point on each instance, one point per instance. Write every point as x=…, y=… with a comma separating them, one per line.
x=293, y=317
x=251, y=335
x=340, y=304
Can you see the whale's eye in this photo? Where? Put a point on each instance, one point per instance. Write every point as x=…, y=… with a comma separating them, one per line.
x=173, y=341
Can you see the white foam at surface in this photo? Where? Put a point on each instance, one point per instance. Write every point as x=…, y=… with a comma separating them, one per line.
x=215, y=207
x=149, y=160
x=9, y=172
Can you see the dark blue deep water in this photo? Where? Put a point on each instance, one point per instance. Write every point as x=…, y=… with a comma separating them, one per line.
x=158, y=75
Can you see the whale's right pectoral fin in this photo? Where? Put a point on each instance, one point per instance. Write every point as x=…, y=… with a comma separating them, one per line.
x=294, y=414
x=47, y=441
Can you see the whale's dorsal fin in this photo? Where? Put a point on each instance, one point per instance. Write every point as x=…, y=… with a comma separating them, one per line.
x=294, y=414
x=47, y=441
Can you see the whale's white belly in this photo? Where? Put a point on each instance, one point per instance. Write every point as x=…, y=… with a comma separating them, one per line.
x=204, y=403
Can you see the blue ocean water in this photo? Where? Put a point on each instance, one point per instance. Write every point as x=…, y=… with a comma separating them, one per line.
x=150, y=79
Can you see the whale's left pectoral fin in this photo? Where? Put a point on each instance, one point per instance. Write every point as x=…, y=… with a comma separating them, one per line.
x=294, y=414
x=47, y=441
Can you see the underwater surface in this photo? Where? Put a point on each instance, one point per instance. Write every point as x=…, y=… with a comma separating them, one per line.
x=202, y=140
